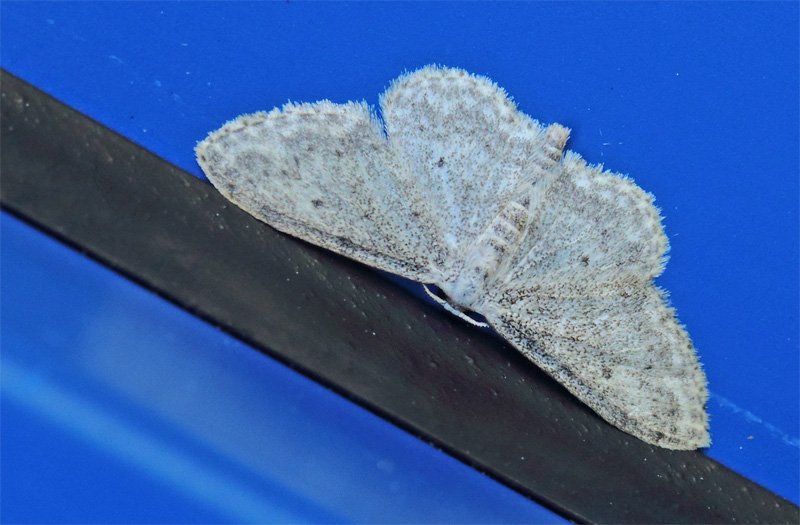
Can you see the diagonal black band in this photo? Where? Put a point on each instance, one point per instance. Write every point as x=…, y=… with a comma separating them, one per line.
x=348, y=327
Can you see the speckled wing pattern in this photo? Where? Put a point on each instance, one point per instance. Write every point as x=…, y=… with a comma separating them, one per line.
x=468, y=146
x=466, y=192
x=588, y=313
x=324, y=173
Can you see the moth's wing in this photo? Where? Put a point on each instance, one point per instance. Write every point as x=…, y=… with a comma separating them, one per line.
x=579, y=302
x=467, y=146
x=323, y=172
x=588, y=226
x=620, y=351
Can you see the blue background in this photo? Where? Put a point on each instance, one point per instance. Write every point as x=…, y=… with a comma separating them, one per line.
x=698, y=102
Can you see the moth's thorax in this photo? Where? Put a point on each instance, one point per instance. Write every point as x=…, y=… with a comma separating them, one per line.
x=486, y=259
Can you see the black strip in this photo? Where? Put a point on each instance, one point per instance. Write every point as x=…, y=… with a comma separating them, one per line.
x=348, y=327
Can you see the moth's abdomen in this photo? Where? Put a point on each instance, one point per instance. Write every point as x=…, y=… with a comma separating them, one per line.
x=505, y=229
x=554, y=141
x=496, y=244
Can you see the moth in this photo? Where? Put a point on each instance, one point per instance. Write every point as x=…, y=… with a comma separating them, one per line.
x=455, y=187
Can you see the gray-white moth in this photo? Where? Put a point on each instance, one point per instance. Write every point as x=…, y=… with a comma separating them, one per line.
x=455, y=187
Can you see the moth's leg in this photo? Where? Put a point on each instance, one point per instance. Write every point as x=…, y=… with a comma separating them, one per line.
x=453, y=310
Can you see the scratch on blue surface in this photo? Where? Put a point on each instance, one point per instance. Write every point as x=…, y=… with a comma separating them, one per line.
x=749, y=416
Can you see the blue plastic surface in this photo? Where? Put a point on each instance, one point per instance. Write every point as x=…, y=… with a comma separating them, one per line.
x=698, y=102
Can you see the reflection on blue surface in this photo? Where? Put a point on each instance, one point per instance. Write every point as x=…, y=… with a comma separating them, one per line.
x=118, y=406
x=697, y=101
